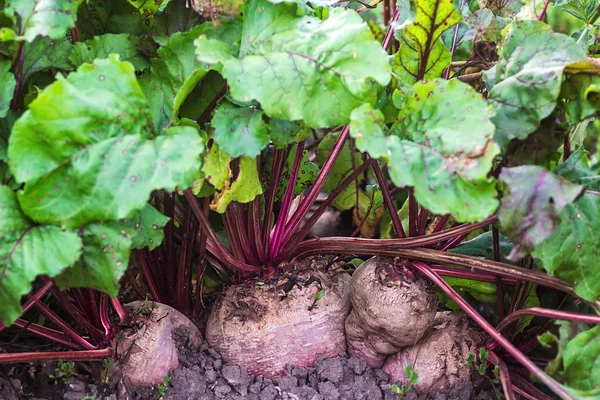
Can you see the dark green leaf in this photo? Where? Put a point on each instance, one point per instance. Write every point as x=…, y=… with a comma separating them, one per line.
x=146, y=228
x=176, y=17
x=101, y=46
x=528, y=77
x=97, y=17
x=530, y=210
x=148, y=8
x=26, y=251
x=45, y=54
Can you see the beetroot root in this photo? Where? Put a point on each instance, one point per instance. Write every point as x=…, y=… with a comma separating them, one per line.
x=263, y=328
x=391, y=309
x=147, y=353
x=440, y=357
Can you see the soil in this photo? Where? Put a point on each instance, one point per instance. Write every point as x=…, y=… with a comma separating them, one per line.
x=203, y=376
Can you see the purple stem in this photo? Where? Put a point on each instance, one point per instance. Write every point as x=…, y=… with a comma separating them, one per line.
x=389, y=203
x=279, y=158
x=412, y=213
x=489, y=329
x=104, y=319
x=499, y=288
x=32, y=299
x=453, y=47
x=543, y=312
x=123, y=319
x=46, y=333
x=82, y=355
x=52, y=316
x=286, y=204
x=504, y=375
x=148, y=275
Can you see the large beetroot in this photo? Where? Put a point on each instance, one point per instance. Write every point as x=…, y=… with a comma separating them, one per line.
x=440, y=357
x=264, y=326
x=146, y=353
x=391, y=308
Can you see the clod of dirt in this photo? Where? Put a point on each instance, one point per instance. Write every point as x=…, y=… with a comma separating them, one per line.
x=147, y=353
x=440, y=357
x=265, y=326
x=391, y=308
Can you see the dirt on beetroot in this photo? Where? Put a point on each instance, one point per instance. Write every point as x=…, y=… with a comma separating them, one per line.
x=204, y=376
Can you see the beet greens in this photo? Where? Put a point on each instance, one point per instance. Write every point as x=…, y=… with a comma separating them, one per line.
x=162, y=150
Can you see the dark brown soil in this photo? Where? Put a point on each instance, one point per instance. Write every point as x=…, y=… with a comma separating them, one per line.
x=203, y=376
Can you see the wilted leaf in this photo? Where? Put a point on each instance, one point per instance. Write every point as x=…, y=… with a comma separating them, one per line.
x=243, y=190
x=26, y=251
x=148, y=8
x=530, y=210
x=581, y=90
x=216, y=167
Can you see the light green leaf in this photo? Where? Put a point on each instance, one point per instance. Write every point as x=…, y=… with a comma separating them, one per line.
x=303, y=67
x=243, y=190
x=51, y=18
x=530, y=209
x=240, y=131
x=444, y=156
x=422, y=55
x=26, y=251
x=529, y=75
x=7, y=87
x=78, y=165
x=101, y=46
x=216, y=167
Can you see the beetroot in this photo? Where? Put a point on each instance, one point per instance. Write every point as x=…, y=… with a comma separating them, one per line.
x=147, y=353
x=391, y=309
x=264, y=326
x=440, y=357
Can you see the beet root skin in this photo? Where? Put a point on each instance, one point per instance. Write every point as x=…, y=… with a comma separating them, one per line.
x=147, y=353
x=254, y=327
x=391, y=309
x=440, y=357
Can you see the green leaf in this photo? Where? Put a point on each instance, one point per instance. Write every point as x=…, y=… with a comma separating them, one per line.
x=101, y=46
x=26, y=251
x=578, y=360
x=7, y=87
x=160, y=90
x=176, y=17
x=216, y=167
x=302, y=67
x=482, y=246
x=97, y=17
x=284, y=132
x=104, y=260
x=146, y=228
x=571, y=253
x=529, y=75
x=444, y=155
x=45, y=54
x=581, y=90
x=52, y=18
x=78, y=165
x=240, y=131
x=530, y=210
x=148, y=8
x=422, y=55
x=340, y=171
x=243, y=190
